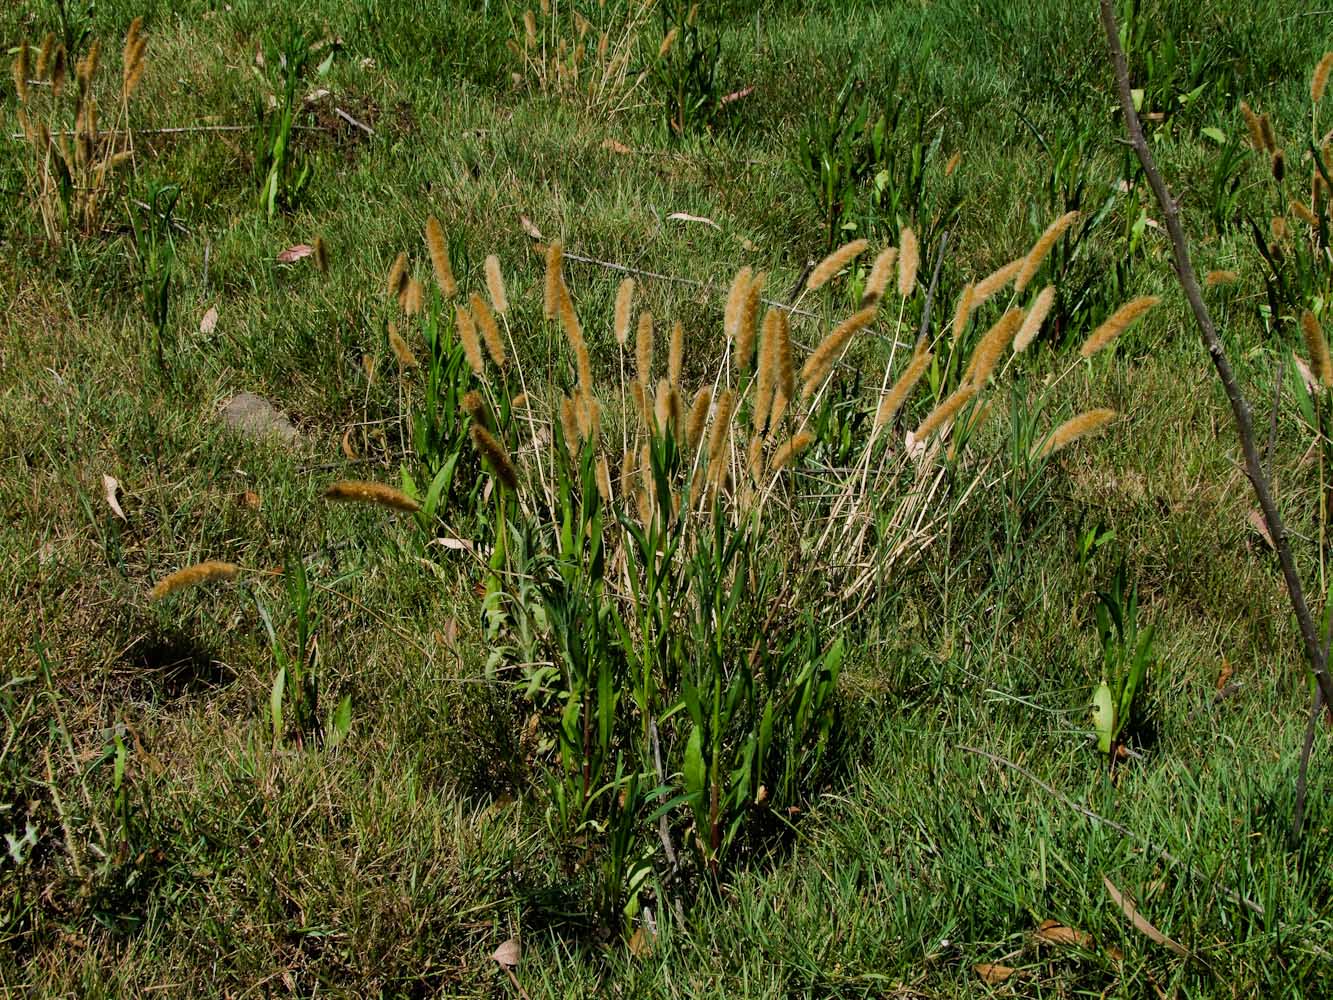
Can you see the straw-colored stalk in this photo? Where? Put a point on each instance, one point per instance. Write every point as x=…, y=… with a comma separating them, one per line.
x=963, y=310
x=1252, y=124
x=694, y=427
x=748, y=328
x=790, y=450
x=991, y=346
x=909, y=259
x=1032, y=322
x=643, y=349
x=1317, y=344
x=396, y=283
x=1074, y=428
x=624, y=307
x=835, y=262
x=490, y=330
x=902, y=389
x=495, y=285
x=768, y=369
x=376, y=494
x=731, y=314
x=676, y=353
x=502, y=467
x=1042, y=249
x=554, y=296
x=880, y=273
x=993, y=282
x=945, y=411
x=406, y=359
x=467, y=335
x=192, y=576
x=1215, y=278
x=1117, y=323
x=1319, y=81
x=439, y=258
x=820, y=363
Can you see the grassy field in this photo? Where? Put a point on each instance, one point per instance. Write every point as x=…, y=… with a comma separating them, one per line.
x=162, y=840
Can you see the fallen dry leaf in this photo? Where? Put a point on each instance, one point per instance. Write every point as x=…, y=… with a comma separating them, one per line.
x=529, y=228
x=456, y=544
x=348, y=450
x=210, y=321
x=641, y=943
x=1307, y=376
x=737, y=95
x=250, y=499
x=617, y=147
x=1257, y=522
x=294, y=253
x=687, y=217
x=1140, y=922
x=992, y=974
x=1225, y=673
x=507, y=954
x=109, y=488
x=1054, y=932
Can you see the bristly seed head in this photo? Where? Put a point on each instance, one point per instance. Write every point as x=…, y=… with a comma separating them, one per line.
x=495, y=285
x=190, y=576
x=1073, y=429
x=1117, y=323
x=502, y=467
x=439, y=258
x=909, y=258
x=624, y=307
x=357, y=491
x=828, y=267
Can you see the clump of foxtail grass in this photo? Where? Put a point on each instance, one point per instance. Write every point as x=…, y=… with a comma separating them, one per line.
x=192, y=576
x=698, y=419
x=1075, y=428
x=825, y=270
x=1117, y=323
x=321, y=255
x=374, y=494
x=735, y=307
x=395, y=283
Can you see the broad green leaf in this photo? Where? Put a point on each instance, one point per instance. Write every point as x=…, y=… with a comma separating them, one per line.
x=1103, y=717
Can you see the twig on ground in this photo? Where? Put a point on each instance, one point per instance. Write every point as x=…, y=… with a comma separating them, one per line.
x=1240, y=409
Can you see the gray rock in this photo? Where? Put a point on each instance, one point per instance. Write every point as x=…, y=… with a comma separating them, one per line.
x=256, y=417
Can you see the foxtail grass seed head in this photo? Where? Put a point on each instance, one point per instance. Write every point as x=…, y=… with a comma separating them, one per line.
x=828, y=267
x=502, y=467
x=784, y=382
x=554, y=296
x=375, y=494
x=1270, y=137
x=467, y=336
x=396, y=283
x=1117, y=323
x=731, y=315
x=993, y=282
x=624, y=307
x=406, y=359
x=747, y=329
x=667, y=41
x=1042, y=249
x=44, y=54
x=321, y=255
x=991, y=346
x=790, y=450
x=133, y=70
x=192, y=576
x=59, y=68
x=779, y=410
x=1032, y=322
x=902, y=389
x=439, y=258
x=880, y=272
x=1317, y=344
x=474, y=405
x=694, y=427
x=490, y=330
x=755, y=458
x=820, y=363
x=519, y=402
x=643, y=348
x=640, y=400
x=720, y=433
x=945, y=412
x=909, y=259
x=1215, y=278
x=22, y=71
x=569, y=425
x=87, y=66
x=495, y=285
x=1077, y=427
x=413, y=296
x=1302, y=212
x=529, y=29
x=963, y=310
x=662, y=409
x=569, y=322
x=589, y=414
x=628, y=466
x=1253, y=125
x=676, y=353
x=1280, y=229
x=1319, y=81
x=604, y=479
x=768, y=369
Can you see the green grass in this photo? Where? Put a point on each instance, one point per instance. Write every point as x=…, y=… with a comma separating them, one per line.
x=395, y=864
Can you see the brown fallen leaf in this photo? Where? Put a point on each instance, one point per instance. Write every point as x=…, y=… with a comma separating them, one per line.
x=529, y=228
x=737, y=95
x=1225, y=673
x=1258, y=524
x=109, y=488
x=507, y=954
x=617, y=147
x=687, y=217
x=1307, y=376
x=641, y=943
x=348, y=450
x=993, y=974
x=294, y=253
x=1140, y=922
x=1054, y=932
x=210, y=321
x=250, y=499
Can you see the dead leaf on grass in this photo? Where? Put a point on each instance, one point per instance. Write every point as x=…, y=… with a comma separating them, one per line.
x=507, y=954
x=210, y=321
x=1260, y=525
x=1054, y=932
x=294, y=253
x=1140, y=922
x=687, y=217
x=993, y=974
x=109, y=488
x=1225, y=673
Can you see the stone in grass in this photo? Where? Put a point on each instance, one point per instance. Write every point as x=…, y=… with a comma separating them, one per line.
x=255, y=417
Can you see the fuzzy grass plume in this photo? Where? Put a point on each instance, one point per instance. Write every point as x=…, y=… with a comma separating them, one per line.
x=790, y=450
x=694, y=426
x=401, y=350
x=1317, y=344
x=1117, y=323
x=490, y=330
x=1042, y=249
x=1076, y=427
x=748, y=325
x=1215, y=278
x=396, y=282
x=1319, y=80
x=1032, y=322
x=821, y=361
x=467, y=336
x=1253, y=126
x=945, y=411
x=835, y=262
x=495, y=285
x=909, y=259
x=439, y=258
x=731, y=314
x=192, y=576
x=554, y=290
x=767, y=375
x=893, y=402
x=676, y=352
x=991, y=346
x=880, y=272
x=376, y=494
x=502, y=467
x=643, y=349
x=624, y=308
x=963, y=310
x=993, y=282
